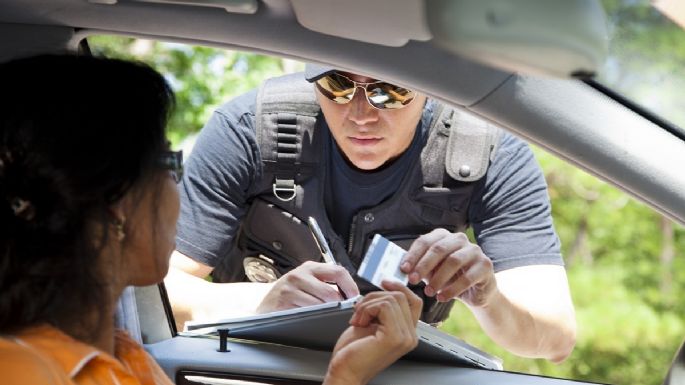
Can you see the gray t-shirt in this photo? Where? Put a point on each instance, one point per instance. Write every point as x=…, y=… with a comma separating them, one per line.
x=510, y=210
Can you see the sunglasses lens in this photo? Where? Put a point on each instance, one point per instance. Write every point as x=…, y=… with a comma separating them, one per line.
x=388, y=96
x=381, y=95
x=172, y=161
x=336, y=88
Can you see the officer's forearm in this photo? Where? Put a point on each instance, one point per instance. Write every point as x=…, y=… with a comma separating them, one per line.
x=194, y=298
x=526, y=332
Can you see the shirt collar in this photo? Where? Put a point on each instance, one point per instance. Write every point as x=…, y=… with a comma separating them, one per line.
x=374, y=177
x=71, y=355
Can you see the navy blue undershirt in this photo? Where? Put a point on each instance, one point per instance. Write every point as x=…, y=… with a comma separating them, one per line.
x=351, y=189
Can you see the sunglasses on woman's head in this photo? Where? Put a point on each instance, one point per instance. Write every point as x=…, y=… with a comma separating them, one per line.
x=381, y=95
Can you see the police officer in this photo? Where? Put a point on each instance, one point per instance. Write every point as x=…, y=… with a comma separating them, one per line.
x=365, y=156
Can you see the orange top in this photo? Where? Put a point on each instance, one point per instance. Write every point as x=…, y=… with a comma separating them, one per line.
x=45, y=355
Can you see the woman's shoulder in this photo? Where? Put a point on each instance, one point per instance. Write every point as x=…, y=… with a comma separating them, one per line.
x=21, y=364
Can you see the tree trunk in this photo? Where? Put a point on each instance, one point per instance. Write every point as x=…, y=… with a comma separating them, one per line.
x=667, y=255
x=580, y=249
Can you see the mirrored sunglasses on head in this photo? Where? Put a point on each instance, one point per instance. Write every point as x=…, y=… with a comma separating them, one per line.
x=172, y=161
x=379, y=94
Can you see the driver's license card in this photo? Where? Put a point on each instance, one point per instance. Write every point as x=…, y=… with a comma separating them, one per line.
x=382, y=261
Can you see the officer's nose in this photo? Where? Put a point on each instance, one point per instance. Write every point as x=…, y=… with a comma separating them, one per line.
x=361, y=112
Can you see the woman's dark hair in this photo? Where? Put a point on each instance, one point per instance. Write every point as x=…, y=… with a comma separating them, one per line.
x=76, y=134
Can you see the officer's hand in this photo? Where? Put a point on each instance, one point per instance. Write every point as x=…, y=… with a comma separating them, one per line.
x=382, y=329
x=308, y=284
x=452, y=267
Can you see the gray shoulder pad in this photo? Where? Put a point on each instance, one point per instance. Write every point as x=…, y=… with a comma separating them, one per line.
x=286, y=105
x=471, y=146
x=289, y=93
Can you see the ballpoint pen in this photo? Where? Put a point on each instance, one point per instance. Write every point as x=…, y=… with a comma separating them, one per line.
x=324, y=249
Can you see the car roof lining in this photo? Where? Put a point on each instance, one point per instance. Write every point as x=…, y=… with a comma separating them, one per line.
x=274, y=30
x=17, y=40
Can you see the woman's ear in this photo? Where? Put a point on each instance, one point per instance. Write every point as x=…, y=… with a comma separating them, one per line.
x=118, y=220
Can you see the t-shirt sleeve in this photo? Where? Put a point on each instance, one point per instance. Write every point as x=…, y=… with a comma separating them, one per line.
x=218, y=176
x=511, y=211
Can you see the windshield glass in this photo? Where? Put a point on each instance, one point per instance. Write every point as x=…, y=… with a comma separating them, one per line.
x=646, y=55
x=621, y=256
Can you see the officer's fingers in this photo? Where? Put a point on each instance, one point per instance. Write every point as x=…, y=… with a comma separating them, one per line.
x=303, y=281
x=300, y=299
x=448, y=269
x=435, y=255
x=419, y=247
x=347, y=285
x=285, y=296
x=414, y=301
x=471, y=276
x=335, y=274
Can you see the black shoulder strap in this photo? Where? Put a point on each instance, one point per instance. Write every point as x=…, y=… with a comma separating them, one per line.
x=285, y=122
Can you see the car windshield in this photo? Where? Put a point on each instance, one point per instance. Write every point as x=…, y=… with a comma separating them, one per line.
x=621, y=256
x=646, y=55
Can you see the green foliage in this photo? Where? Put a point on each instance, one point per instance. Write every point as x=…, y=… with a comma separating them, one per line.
x=646, y=55
x=202, y=77
x=629, y=323
x=621, y=339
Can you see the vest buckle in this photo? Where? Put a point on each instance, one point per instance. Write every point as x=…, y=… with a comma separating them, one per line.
x=284, y=189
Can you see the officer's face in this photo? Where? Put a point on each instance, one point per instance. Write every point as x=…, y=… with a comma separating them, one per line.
x=369, y=137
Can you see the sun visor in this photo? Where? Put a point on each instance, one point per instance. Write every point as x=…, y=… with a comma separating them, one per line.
x=553, y=37
x=385, y=22
x=22, y=40
x=231, y=6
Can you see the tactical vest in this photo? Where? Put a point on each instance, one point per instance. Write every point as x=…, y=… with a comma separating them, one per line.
x=435, y=192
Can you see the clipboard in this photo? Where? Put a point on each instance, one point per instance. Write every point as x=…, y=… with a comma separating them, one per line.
x=313, y=327
x=319, y=327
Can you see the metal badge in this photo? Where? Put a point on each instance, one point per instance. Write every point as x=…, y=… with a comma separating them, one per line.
x=260, y=269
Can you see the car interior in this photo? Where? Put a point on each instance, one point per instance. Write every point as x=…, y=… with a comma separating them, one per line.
x=525, y=66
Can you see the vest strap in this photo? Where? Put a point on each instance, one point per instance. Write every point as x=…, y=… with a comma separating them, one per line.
x=285, y=117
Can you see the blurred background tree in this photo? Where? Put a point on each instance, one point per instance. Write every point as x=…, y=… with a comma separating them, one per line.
x=202, y=77
x=624, y=260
